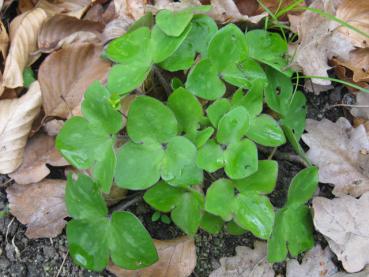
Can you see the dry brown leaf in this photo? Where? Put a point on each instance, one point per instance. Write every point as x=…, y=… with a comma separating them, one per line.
x=23, y=44
x=40, y=150
x=53, y=127
x=95, y=14
x=318, y=42
x=40, y=206
x=130, y=8
x=316, y=263
x=4, y=40
x=358, y=63
x=355, y=13
x=177, y=258
x=341, y=152
x=247, y=263
x=75, y=8
x=26, y=5
x=65, y=75
x=344, y=223
x=16, y=117
x=362, y=101
x=63, y=29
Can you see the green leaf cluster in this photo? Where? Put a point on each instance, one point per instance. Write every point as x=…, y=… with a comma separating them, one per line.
x=212, y=121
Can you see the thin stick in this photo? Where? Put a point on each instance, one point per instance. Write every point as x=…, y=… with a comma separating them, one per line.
x=7, y=229
x=162, y=80
x=284, y=156
x=126, y=204
x=61, y=266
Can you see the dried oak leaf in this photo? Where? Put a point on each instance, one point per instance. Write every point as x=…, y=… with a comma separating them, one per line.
x=247, y=263
x=318, y=41
x=23, y=36
x=16, y=117
x=40, y=150
x=344, y=223
x=362, y=101
x=40, y=206
x=176, y=258
x=65, y=75
x=62, y=29
x=318, y=263
x=342, y=154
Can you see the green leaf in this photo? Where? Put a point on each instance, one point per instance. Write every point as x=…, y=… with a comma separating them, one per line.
x=146, y=20
x=128, y=233
x=187, y=213
x=138, y=165
x=211, y=223
x=217, y=110
x=104, y=168
x=163, y=46
x=204, y=82
x=191, y=175
x=199, y=138
x=228, y=46
x=83, y=198
x=165, y=219
x=179, y=153
x=97, y=109
x=293, y=228
x=303, y=186
x=263, y=180
x=244, y=73
x=173, y=23
x=219, y=199
x=187, y=110
x=266, y=131
x=79, y=143
x=252, y=101
x=28, y=77
x=124, y=78
x=269, y=48
x=234, y=229
x=233, y=125
x=131, y=49
x=150, y=119
x=241, y=159
x=88, y=242
x=163, y=197
x=182, y=59
x=210, y=157
x=155, y=216
x=255, y=213
x=176, y=83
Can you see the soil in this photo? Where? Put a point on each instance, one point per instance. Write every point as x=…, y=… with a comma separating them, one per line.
x=21, y=257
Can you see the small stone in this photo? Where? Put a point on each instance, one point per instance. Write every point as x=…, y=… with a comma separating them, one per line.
x=10, y=253
x=49, y=252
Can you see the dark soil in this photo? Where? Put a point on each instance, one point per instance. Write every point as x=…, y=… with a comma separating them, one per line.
x=20, y=256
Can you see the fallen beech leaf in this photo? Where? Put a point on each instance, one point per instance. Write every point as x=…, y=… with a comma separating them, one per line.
x=23, y=44
x=358, y=63
x=341, y=152
x=177, y=258
x=316, y=263
x=41, y=206
x=26, y=5
x=362, y=100
x=16, y=117
x=95, y=14
x=344, y=223
x=63, y=29
x=130, y=8
x=247, y=263
x=4, y=40
x=75, y=8
x=355, y=13
x=318, y=41
x=52, y=127
x=40, y=150
x=65, y=75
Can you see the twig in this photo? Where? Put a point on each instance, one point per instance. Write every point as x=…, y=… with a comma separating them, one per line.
x=284, y=156
x=61, y=266
x=162, y=80
x=7, y=229
x=121, y=206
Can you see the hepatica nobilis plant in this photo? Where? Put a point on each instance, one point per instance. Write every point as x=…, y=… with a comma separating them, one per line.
x=212, y=121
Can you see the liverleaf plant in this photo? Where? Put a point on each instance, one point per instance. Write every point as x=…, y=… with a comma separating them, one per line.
x=170, y=145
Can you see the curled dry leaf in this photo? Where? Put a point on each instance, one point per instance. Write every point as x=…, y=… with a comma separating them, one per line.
x=247, y=263
x=358, y=63
x=53, y=127
x=344, y=223
x=176, y=258
x=16, y=117
x=65, y=75
x=342, y=154
x=40, y=150
x=4, y=40
x=40, y=206
x=316, y=262
x=63, y=29
x=318, y=41
x=23, y=44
